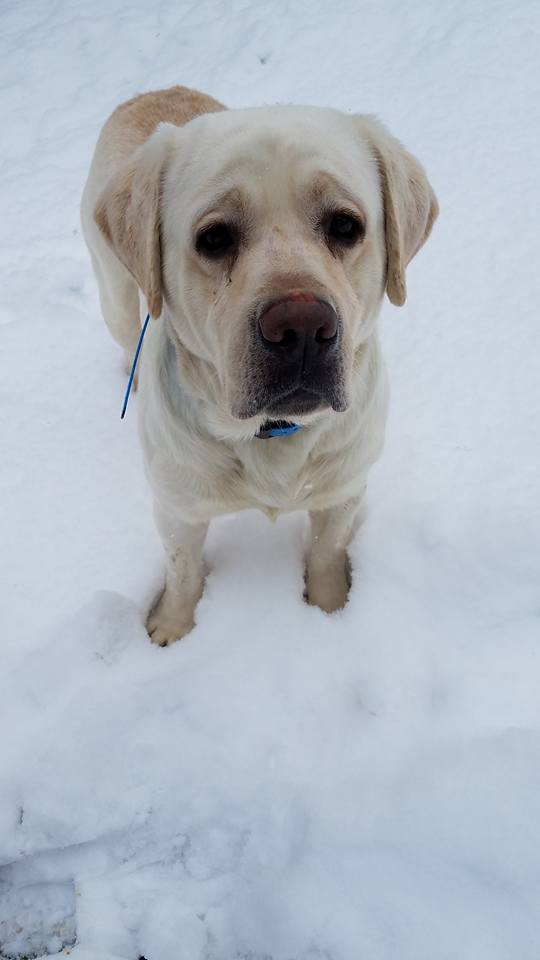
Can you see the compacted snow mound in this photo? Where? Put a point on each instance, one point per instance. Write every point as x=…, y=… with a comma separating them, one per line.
x=281, y=785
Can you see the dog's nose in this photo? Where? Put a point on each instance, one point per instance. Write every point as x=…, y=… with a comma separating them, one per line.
x=299, y=323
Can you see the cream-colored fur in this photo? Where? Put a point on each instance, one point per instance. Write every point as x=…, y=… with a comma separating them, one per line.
x=168, y=164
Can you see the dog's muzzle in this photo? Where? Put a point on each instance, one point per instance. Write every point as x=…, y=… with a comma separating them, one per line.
x=297, y=356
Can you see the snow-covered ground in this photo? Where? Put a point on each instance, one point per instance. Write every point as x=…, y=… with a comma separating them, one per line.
x=281, y=784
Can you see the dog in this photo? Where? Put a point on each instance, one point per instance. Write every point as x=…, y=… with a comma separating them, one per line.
x=261, y=242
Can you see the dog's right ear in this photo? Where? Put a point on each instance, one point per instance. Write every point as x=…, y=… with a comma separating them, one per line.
x=128, y=213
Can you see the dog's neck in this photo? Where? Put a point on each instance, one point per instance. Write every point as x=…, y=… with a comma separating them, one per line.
x=189, y=381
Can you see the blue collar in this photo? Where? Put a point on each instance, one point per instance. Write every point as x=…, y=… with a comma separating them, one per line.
x=270, y=428
x=276, y=428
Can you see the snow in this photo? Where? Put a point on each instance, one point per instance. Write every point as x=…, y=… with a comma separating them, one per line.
x=281, y=785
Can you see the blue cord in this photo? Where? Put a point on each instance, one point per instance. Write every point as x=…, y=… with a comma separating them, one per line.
x=134, y=365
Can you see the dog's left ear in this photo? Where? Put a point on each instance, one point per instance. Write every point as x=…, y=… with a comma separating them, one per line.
x=128, y=213
x=410, y=205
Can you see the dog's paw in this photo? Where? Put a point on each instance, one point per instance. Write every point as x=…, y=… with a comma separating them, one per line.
x=163, y=631
x=328, y=588
x=168, y=623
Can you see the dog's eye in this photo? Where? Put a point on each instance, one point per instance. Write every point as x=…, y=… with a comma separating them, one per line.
x=216, y=241
x=344, y=228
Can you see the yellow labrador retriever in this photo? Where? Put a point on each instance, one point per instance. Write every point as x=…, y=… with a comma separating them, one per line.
x=262, y=242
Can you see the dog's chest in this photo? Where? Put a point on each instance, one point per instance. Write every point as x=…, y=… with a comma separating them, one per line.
x=275, y=480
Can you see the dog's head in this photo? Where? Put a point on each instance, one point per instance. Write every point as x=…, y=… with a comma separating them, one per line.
x=271, y=234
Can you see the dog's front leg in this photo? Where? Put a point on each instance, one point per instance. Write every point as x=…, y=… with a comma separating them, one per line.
x=327, y=564
x=172, y=615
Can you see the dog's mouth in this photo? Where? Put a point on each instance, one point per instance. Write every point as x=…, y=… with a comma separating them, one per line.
x=294, y=401
x=301, y=401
